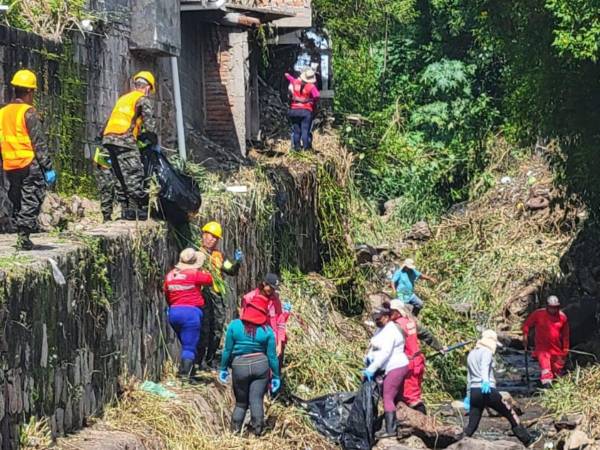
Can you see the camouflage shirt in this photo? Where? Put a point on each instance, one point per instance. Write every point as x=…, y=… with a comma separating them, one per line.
x=38, y=139
x=143, y=109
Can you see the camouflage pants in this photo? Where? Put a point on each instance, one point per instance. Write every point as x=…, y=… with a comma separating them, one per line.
x=110, y=190
x=26, y=193
x=213, y=326
x=129, y=171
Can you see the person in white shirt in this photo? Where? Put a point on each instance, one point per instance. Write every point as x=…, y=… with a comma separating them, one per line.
x=386, y=354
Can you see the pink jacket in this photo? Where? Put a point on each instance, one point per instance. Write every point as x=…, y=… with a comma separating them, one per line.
x=277, y=317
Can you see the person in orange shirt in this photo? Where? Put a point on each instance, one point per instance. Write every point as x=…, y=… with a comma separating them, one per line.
x=551, y=339
x=215, y=309
x=25, y=157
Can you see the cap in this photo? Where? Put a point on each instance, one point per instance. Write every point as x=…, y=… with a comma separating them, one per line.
x=272, y=280
x=409, y=263
x=553, y=301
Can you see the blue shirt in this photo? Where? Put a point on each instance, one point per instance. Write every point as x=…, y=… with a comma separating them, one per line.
x=404, y=282
x=238, y=343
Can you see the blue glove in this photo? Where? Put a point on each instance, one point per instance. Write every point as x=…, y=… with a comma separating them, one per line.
x=50, y=176
x=368, y=375
x=156, y=148
x=109, y=161
x=467, y=403
x=238, y=255
x=287, y=307
x=224, y=376
x=275, y=385
x=485, y=387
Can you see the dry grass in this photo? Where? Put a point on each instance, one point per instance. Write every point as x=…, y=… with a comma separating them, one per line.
x=578, y=392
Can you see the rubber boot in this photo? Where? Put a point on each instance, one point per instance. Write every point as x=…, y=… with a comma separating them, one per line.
x=421, y=408
x=106, y=218
x=523, y=435
x=390, y=426
x=185, y=368
x=128, y=214
x=23, y=241
x=258, y=427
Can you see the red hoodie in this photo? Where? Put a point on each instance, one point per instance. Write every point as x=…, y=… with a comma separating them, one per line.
x=183, y=287
x=277, y=317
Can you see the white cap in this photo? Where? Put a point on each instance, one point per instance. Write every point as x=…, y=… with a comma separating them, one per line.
x=553, y=301
x=409, y=263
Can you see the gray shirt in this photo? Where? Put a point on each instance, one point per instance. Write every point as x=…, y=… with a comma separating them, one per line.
x=480, y=365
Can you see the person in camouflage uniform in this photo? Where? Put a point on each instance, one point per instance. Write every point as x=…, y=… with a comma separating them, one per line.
x=215, y=309
x=108, y=185
x=25, y=157
x=132, y=125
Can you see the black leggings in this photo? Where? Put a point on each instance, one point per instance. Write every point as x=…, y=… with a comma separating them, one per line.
x=250, y=378
x=492, y=400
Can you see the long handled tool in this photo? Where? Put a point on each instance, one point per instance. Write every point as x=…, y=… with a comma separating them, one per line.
x=527, y=369
x=453, y=347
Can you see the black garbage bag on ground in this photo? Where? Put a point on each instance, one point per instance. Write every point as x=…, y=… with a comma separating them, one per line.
x=179, y=194
x=349, y=419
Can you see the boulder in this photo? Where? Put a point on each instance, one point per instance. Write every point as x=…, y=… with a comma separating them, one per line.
x=413, y=442
x=377, y=299
x=390, y=444
x=420, y=232
x=480, y=444
x=427, y=428
x=390, y=206
x=577, y=439
x=568, y=422
x=92, y=439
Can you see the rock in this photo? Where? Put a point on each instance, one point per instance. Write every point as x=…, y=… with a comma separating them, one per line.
x=537, y=203
x=568, y=422
x=391, y=444
x=377, y=299
x=413, y=442
x=577, y=439
x=427, y=428
x=365, y=254
x=101, y=440
x=462, y=308
x=419, y=232
x=468, y=443
x=390, y=206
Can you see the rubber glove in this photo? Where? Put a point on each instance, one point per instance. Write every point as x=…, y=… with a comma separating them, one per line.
x=485, y=387
x=287, y=307
x=50, y=176
x=467, y=403
x=238, y=255
x=156, y=148
x=368, y=375
x=275, y=385
x=224, y=376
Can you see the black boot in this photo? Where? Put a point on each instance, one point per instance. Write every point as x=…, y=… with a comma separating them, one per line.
x=258, y=427
x=23, y=241
x=185, y=368
x=523, y=435
x=106, y=217
x=390, y=426
x=128, y=214
x=421, y=408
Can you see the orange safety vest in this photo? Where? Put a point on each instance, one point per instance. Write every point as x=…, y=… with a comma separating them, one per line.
x=123, y=115
x=15, y=143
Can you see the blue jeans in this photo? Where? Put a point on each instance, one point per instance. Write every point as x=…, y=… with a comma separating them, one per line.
x=187, y=323
x=301, y=121
x=416, y=303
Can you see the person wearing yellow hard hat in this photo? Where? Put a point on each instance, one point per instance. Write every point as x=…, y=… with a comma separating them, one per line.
x=25, y=157
x=215, y=311
x=130, y=127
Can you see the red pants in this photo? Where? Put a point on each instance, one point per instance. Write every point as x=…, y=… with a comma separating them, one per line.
x=411, y=390
x=550, y=364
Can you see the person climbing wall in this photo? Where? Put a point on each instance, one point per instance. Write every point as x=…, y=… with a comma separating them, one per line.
x=551, y=339
x=108, y=186
x=183, y=287
x=25, y=157
x=214, y=319
x=403, y=283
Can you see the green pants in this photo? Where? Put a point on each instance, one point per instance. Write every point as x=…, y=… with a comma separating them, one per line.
x=110, y=190
x=213, y=326
x=128, y=168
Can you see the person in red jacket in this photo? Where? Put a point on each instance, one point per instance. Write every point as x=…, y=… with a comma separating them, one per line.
x=551, y=339
x=183, y=289
x=278, y=313
x=304, y=97
x=411, y=392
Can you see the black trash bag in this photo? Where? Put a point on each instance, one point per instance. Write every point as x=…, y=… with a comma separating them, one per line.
x=359, y=432
x=179, y=194
x=330, y=413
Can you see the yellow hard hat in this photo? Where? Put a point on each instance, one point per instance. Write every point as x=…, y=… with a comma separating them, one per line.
x=24, y=78
x=144, y=74
x=213, y=228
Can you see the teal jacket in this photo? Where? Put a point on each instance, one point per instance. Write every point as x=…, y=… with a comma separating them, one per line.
x=238, y=343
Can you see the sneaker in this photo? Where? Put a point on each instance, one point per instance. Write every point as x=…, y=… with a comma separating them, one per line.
x=23, y=242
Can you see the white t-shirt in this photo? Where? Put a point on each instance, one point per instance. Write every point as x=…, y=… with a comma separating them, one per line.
x=386, y=349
